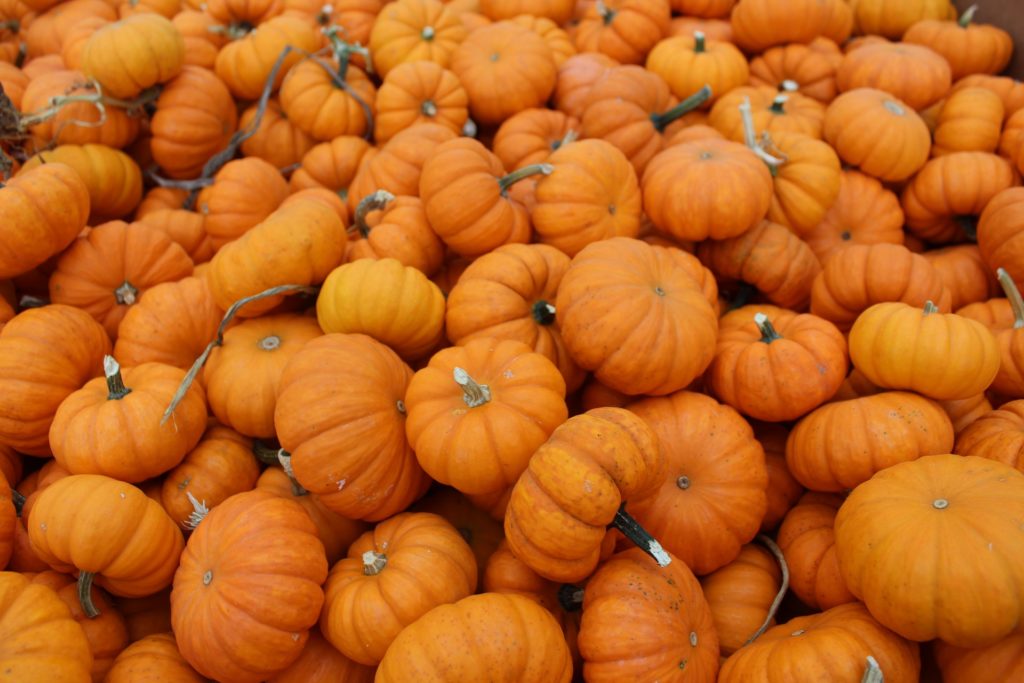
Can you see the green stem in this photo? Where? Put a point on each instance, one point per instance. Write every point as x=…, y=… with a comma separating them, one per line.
x=698, y=98
x=543, y=312
x=428, y=108
x=371, y=202
x=607, y=14
x=264, y=453
x=968, y=16
x=570, y=597
x=514, y=177
x=768, y=333
x=699, y=44
x=778, y=104
x=116, y=390
x=1013, y=294
x=930, y=308
x=632, y=530
x=85, y=595
x=18, y=499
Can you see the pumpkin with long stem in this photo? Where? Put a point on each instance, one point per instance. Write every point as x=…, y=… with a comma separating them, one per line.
x=689, y=62
x=395, y=227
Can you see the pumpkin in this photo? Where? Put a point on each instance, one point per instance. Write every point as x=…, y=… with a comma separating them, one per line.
x=158, y=198
x=508, y=54
x=615, y=305
x=277, y=140
x=783, y=488
x=963, y=412
x=112, y=178
x=237, y=12
x=970, y=120
x=201, y=43
x=740, y=596
x=40, y=639
x=244, y=192
x=778, y=369
x=481, y=529
x=772, y=112
x=558, y=40
x=414, y=30
x=556, y=522
x=807, y=69
x=187, y=228
x=807, y=540
x=109, y=531
x=331, y=165
x=132, y=54
x=245, y=64
x=711, y=500
x=998, y=229
x=478, y=412
x=359, y=468
x=194, y=119
x=918, y=511
x=265, y=548
x=771, y=258
x=8, y=520
x=761, y=24
x=861, y=275
x=419, y=92
x=1000, y=662
x=996, y=435
x=688, y=63
x=964, y=273
x=509, y=294
x=1009, y=90
x=46, y=208
x=951, y=188
x=155, y=655
x=532, y=135
x=576, y=75
x=105, y=272
x=625, y=30
x=842, y=643
x=912, y=73
x=968, y=47
x=698, y=176
x=396, y=227
x=892, y=20
x=378, y=590
x=805, y=184
x=670, y=635
x=221, y=465
x=321, y=661
x=591, y=194
x=405, y=310
x=468, y=638
x=326, y=98
x=922, y=362
x=171, y=324
x=877, y=133
x=45, y=355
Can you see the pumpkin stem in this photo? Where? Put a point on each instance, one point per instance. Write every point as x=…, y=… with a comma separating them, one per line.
x=472, y=393
x=428, y=33
x=930, y=308
x=789, y=85
x=632, y=530
x=284, y=458
x=374, y=562
x=873, y=672
x=774, y=549
x=127, y=294
x=570, y=136
x=750, y=138
x=968, y=16
x=1013, y=294
x=428, y=108
x=85, y=594
x=18, y=499
x=698, y=98
x=514, y=177
x=94, y=96
x=607, y=14
x=768, y=333
x=371, y=202
x=543, y=312
x=343, y=51
x=190, y=376
x=469, y=129
x=116, y=389
x=570, y=597
x=969, y=224
x=778, y=104
x=699, y=44
x=198, y=514
x=264, y=453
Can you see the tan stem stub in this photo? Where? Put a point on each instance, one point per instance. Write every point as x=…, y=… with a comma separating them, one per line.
x=198, y=514
x=374, y=562
x=472, y=393
x=750, y=137
x=127, y=294
x=930, y=308
x=116, y=389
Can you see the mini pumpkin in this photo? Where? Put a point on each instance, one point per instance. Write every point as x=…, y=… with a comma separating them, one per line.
x=740, y=596
x=997, y=435
x=625, y=30
x=969, y=48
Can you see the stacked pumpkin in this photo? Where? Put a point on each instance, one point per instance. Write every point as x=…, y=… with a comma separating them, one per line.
x=510, y=340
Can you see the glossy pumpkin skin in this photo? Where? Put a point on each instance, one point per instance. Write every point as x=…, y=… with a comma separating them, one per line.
x=844, y=443
x=740, y=594
x=891, y=21
x=1003, y=661
x=609, y=455
x=969, y=49
x=875, y=132
x=860, y=276
x=524, y=68
x=807, y=541
x=922, y=362
x=264, y=549
x=404, y=311
x=673, y=639
x=463, y=641
x=970, y=120
x=711, y=500
x=997, y=435
x=510, y=294
x=614, y=305
x=998, y=230
x=50, y=206
x=113, y=179
x=107, y=527
x=415, y=92
x=156, y=49
x=920, y=511
x=778, y=379
x=40, y=640
x=368, y=603
x=699, y=176
x=832, y=645
x=348, y=461
x=156, y=655
x=244, y=65
x=242, y=375
x=483, y=447
x=806, y=184
x=45, y=354
x=105, y=272
x=625, y=30
x=122, y=436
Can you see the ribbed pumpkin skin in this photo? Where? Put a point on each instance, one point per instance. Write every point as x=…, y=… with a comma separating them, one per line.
x=808, y=542
x=46, y=208
x=891, y=20
x=153, y=658
x=949, y=526
x=244, y=65
x=1003, y=661
x=830, y=646
x=644, y=622
x=132, y=54
x=248, y=588
x=740, y=594
x=494, y=637
x=997, y=435
x=45, y=354
x=999, y=230
x=97, y=524
x=39, y=641
x=8, y=521
x=321, y=662
x=864, y=212
x=428, y=563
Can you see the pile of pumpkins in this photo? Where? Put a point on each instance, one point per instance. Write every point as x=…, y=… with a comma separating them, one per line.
x=510, y=340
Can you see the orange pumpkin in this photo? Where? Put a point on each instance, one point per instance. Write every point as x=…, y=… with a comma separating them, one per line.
x=321, y=661
x=807, y=540
x=532, y=135
x=113, y=179
x=970, y=120
x=964, y=273
x=625, y=30
x=911, y=73
x=999, y=228
x=996, y=435
x=761, y=24
x=414, y=30
x=688, y=63
x=807, y=69
x=419, y=92
x=156, y=54
x=968, y=47
x=783, y=488
x=396, y=227
x=277, y=140
x=740, y=596
x=1003, y=661
x=156, y=654
x=328, y=98
x=245, y=64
